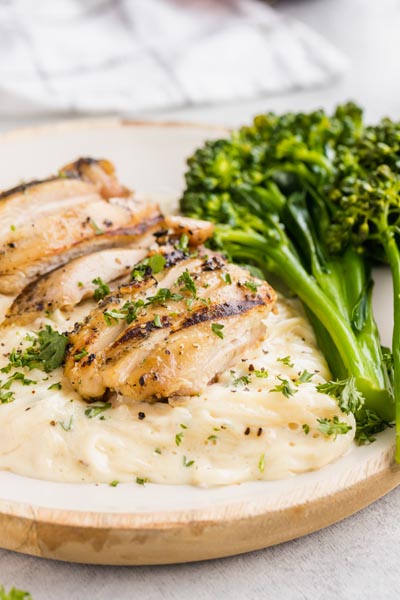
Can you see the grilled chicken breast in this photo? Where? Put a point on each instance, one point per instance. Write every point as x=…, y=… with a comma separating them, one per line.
x=47, y=223
x=67, y=286
x=169, y=333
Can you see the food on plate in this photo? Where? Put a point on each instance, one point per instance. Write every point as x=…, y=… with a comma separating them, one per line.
x=132, y=351
x=281, y=192
x=47, y=223
x=171, y=332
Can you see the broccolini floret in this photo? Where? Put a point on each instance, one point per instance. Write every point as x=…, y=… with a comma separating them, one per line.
x=265, y=186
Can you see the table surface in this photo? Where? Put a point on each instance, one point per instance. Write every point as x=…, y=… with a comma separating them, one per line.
x=357, y=558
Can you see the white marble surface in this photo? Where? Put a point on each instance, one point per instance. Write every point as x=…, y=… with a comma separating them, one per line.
x=358, y=558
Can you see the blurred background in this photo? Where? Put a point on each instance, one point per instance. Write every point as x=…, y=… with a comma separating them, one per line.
x=218, y=61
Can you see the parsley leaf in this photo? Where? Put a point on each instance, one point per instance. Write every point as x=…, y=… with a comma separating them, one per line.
x=226, y=278
x=187, y=283
x=284, y=388
x=157, y=321
x=261, y=463
x=187, y=463
x=79, y=355
x=102, y=290
x=141, y=480
x=306, y=428
x=261, y=373
x=368, y=424
x=304, y=377
x=183, y=243
x=252, y=286
x=67, y=426
x=333, y=427
x=348, y=397
x=14, y=594
x=46, y=352
x=217, y=329
x=286, y=360
x=243, y=380
x=96, y=409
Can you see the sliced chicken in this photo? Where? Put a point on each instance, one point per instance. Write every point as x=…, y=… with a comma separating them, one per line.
x=67, y=286
x=47, y=223
x=171, y=333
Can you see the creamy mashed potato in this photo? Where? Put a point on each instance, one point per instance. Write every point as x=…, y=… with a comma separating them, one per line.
x=239, y=430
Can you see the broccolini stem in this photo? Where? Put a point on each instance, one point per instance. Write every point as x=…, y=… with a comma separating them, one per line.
x=280, y=259
x=393, y=257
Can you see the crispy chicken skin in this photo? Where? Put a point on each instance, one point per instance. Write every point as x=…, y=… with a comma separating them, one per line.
x=47, y=223
x=171, y=333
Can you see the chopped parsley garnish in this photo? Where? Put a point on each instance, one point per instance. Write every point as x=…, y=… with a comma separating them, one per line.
x=226, y=278
x=286, y=360
x=79, y=355
x=149, y=266
x=55, y=386
x=261, y=373
x=304, y=377
x=348, y=397
x=17, y=376
x=333, y=426
x=46, y=352
x=129, y=312
x=156, y=263
x=6, y=397
x=183, y=243
x=243, y=380
x=306, y=428
x=114, y=483
x=369, y=424
x=157, y=450
x=95, y=227
x=157, y=321
x=96, y=409
x=187, y=283
x=179, y=436
x=102, y=289
x=141, y=480
x=66, y=426
x=284, y=387
x=252, y=286
x=212, y=438
x=162, y=296
x=217, y=329
x=80, y=284
x=14, y=594
x=13, y=228
x=187, y=463
x=261, y=463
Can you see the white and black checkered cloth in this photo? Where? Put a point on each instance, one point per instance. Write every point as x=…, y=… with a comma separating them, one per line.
x=130, y=55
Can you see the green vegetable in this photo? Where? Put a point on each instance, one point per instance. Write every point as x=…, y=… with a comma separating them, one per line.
x=102, y=289
x=284, y=388
x=333, y=427
x=46, y=352
x=261, y=463
x=266, y=189
x=14, y=594
x=217, y=329
x=365, y=194
x=97, y=409
x=149, y=266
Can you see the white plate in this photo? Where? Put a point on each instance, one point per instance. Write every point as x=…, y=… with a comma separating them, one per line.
x=160, y=524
